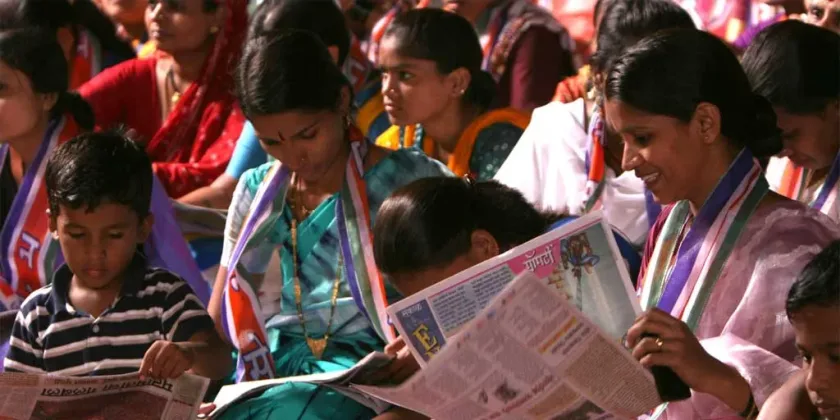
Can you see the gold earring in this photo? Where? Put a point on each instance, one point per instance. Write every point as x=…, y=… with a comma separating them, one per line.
x=214, y=29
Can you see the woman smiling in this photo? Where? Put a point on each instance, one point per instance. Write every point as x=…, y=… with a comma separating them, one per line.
x=725, y=250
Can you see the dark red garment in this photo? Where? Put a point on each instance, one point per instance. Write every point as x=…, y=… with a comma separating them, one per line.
x=532, y=74
x=194, y=145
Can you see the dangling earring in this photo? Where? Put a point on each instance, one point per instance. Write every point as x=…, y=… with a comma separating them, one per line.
x=347, y=121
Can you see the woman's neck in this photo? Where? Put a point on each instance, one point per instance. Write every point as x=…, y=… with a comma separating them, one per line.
x=24, y=148
x=447, y=128
x=187, y=65
x=707, y=180
x=136, y=31
x=333, y=178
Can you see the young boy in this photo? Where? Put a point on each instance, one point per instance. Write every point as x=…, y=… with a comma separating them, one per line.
x=106, y=312
x=813, y=307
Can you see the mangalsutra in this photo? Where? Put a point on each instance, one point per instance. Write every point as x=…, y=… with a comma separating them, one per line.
x=316, y=345
x=176, y=93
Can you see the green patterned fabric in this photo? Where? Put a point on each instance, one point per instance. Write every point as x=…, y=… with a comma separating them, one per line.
x=352, y=335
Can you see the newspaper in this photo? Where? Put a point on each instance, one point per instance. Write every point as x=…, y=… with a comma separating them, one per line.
x=531, y=354
x=341, y=381
x=125, y=397
x=201, y=222
x=535, y=333
x=580, y=258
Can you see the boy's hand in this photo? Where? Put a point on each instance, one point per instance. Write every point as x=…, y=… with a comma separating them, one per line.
x=166, y=360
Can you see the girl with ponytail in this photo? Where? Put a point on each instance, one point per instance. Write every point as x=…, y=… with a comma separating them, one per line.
x=87, y=36
x=438, y=98
x=725, y=250
x=36, y=114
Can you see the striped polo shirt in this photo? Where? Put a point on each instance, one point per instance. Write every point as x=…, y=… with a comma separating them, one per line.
x=51, y=336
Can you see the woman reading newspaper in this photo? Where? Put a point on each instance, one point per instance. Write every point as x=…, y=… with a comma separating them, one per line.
x=435, y=228
x=324, y=310
x=725, y=249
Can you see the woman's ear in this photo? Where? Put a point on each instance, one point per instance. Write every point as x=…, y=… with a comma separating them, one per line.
x=483, y=246
x=48, y=101
x=333, y=53
x=705, y=123
x=217, y=19
x=146, y=225
x=345, y=101
x=67, y=41
x=458, y=82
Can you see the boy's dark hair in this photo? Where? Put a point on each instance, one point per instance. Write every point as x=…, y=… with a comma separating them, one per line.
x=796, y=66
x=321, y=17
x=819, y=282
x=429, y=222
x=93, y=168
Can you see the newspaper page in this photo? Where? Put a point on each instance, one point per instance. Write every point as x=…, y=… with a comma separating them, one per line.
x=580, y=258
x=530, y=355
x=339, y=381
x=125, y=397
x=196, y=221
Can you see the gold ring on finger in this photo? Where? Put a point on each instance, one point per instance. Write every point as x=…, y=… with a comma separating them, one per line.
x=659, y=343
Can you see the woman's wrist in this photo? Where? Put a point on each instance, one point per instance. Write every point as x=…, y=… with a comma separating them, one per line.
x=728, y=386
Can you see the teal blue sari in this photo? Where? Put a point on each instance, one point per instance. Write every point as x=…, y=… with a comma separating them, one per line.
x=352, y=336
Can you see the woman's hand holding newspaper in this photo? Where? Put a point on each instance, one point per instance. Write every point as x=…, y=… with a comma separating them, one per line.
x=659, y=339
x=401, y=368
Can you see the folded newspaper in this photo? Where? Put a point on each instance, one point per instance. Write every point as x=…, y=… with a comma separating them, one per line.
x=125, y=397
x=202, y=222
x=341, y=381
x=534, y=333
x=531, y=354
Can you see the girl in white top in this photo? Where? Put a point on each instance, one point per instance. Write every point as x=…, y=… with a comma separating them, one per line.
x=565, y=161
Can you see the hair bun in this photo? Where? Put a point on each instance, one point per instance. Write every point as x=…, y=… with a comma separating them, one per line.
x=482, y=89
x=763, y=131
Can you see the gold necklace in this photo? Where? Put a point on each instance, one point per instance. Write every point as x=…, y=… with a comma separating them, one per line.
x=176, y=93
x=317, y=346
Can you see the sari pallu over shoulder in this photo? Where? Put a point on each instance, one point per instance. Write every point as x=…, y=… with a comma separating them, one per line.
x=241, y=317
x=739, y=258
x=398, y=137
x=29, y=252
x=206, y=114
x=509, y=21
x=792, y=181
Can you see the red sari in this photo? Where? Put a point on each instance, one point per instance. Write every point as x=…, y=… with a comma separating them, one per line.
x=194, y=145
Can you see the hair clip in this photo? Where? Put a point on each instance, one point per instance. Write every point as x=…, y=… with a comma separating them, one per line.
x=468, y=178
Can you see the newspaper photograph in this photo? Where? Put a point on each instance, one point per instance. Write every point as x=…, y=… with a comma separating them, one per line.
x=531, y=354
x=580, y=258
x=125, y=397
